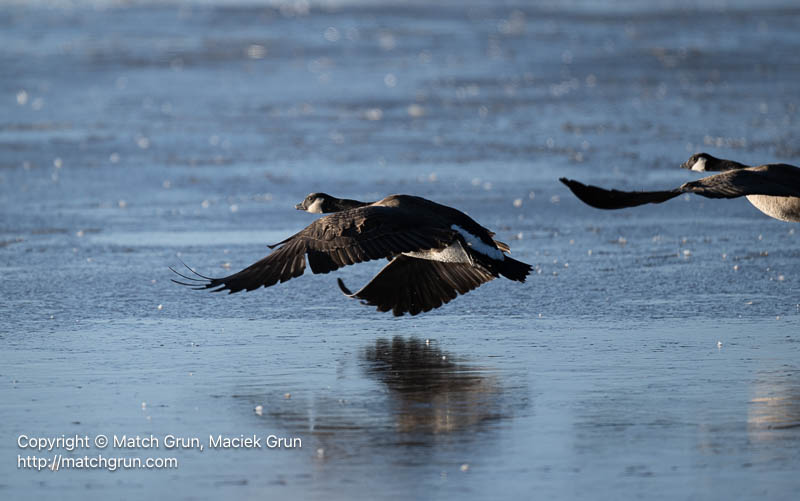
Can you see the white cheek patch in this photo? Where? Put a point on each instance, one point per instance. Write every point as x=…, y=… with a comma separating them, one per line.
x=315, y=207
x=699, y=165
x=477, y=244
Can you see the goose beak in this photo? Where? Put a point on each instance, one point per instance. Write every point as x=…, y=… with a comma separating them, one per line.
x=299, y=207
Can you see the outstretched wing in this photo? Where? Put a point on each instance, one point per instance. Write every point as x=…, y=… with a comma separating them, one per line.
x=336, y=240
x=601, y=198
x=778, y=180
x=412, y=285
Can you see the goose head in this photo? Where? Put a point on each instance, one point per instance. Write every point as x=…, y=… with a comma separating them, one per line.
x=322, y=203
x=316, y=203
x=700, y=162
x=703, y=162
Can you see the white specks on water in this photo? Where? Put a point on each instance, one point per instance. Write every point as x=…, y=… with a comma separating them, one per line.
x=735, y=267
x=58, y=163
x=373, y=114
x=205, y=204
x=415, y=110
x=719, y=344
x=122, y=204
x=22, y=97
x=256, y=51
x=142, y=142
x=390, y=80
x=331, y=34
x=464, y=467
x=287, y=396
x=234, y=208
x=160, y=307
x=113, y=158
x=387, y=41
x=259, y=409
x=518, y=202
x=320, y=453
x=144, y=405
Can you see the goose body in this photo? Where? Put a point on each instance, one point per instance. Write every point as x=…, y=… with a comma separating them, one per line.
x=774, y=189
x=436, y=252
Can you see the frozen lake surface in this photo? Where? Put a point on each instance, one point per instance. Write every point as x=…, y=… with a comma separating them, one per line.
x=654, y=353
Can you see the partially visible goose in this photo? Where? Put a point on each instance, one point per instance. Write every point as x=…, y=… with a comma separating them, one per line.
x=436, y=252
x=774, y=189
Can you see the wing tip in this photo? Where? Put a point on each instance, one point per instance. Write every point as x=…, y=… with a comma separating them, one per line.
x=343, y=287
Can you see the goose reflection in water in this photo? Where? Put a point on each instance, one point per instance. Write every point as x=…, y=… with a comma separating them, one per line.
x=432, y=392
x=775, y=406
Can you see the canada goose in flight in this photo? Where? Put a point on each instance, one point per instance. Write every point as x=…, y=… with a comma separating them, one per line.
x=774, y=189
x=436, y=252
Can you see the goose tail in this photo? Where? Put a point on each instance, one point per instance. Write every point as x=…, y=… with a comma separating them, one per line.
x=513, y=269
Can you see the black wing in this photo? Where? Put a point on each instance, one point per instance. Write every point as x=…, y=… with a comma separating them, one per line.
x=412, y=285
x=333, y=241
x=778, y=180
x=601, y=198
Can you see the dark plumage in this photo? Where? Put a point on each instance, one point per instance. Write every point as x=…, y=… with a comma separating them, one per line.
x=436, y=252
x=774, y=189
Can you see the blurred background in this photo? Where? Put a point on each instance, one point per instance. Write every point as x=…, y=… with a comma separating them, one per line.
x=653, y=352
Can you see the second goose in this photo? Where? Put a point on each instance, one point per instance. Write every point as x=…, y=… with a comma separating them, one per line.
x=774, y=189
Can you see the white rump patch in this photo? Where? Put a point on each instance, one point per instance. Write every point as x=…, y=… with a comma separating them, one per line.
x=315, y=207
x=477, y=244
x=699, y=165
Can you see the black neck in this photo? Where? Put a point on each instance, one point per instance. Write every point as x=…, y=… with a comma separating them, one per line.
x=341, y=204
x=720, y=164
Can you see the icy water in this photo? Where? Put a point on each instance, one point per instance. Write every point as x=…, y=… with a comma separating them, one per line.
x=654, y=353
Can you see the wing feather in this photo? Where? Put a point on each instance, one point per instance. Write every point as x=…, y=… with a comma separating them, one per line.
x=412, y=285
x=334, y=241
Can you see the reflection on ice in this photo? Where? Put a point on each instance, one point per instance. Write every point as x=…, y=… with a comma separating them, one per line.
x=775, y=406
x=431, y=393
